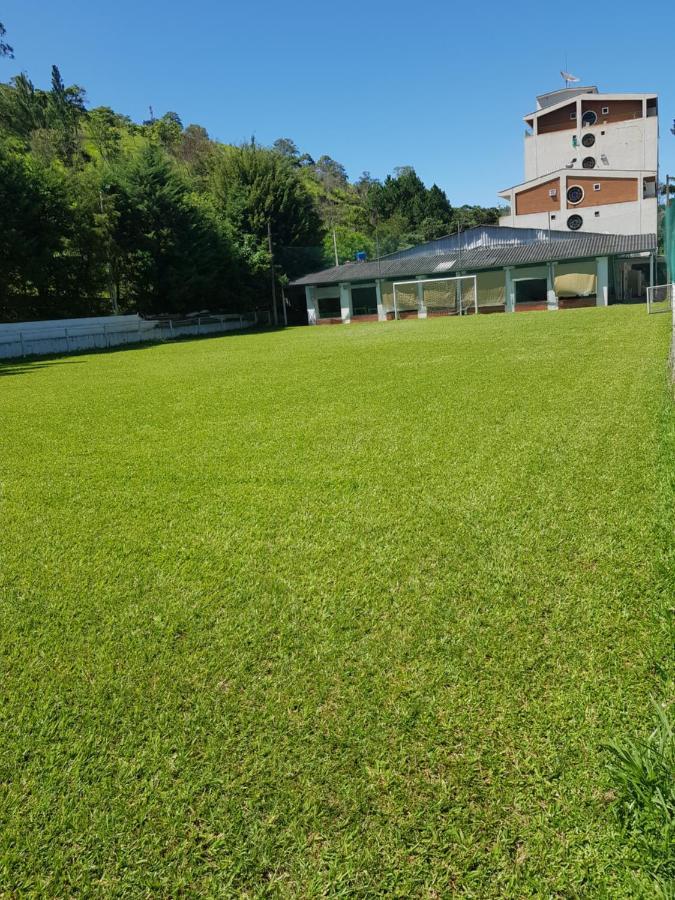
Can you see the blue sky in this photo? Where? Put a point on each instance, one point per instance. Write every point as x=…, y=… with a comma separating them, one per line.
x=441, y=86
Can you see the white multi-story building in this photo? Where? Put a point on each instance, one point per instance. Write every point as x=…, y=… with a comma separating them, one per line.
x=591, y=164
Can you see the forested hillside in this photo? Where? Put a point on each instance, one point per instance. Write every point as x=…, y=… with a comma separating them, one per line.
x=99, y=213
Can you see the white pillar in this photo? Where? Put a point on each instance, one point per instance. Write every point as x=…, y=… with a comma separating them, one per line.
x=510, y=299
x=421, y=308
x=551, y=298
x=381, y=313
x=346, y=302
x=312, y=304
x=602, y=288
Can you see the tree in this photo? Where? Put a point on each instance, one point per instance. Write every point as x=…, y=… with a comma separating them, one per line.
x=363, y=184
x=469, y=216
x=23, y=109
x=286, y=147
x=412, y=212
x=105, y=128
x=330, y=173
x=65, y=108
x=168, y=130
x=162, y=218
x=5, y=49
x=44, y=266
x=349, y=243
x=254, y=187
x=195, y=149
x=172, y=257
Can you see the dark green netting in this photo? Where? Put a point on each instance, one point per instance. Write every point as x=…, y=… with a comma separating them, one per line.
x=669, y=239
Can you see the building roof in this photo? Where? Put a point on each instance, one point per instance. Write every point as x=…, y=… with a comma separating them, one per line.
x=553, y=97
x=591, y=94
x=580, y=246
x=479, y=236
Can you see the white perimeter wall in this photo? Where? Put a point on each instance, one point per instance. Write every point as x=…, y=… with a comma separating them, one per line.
x=69, y=335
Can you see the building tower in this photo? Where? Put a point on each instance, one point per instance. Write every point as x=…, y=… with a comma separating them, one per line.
x=591, y=164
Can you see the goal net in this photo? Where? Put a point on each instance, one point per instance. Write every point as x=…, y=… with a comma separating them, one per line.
x=435, y=296
x=660, y=298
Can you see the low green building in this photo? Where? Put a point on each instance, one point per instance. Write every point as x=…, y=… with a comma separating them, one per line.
x=485, y=269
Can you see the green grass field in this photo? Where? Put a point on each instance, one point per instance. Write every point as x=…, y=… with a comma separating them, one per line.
x=347, y=611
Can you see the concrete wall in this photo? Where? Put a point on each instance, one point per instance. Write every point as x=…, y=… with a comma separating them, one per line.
x=20, y=339
x=618, y=218
x=625, y=145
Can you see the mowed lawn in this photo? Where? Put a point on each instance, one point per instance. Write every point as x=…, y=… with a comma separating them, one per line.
x=347, y=611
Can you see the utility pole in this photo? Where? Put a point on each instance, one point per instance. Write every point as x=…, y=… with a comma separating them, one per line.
x=112, y=284
x=275, y=314
x=337, y=261
x=331, y=206
x=374, y=222
x=283, y=307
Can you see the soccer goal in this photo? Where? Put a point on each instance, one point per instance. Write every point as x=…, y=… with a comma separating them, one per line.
x=456, y=296
x=660, y=298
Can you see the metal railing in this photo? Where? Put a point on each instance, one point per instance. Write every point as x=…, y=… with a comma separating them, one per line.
x=660, y=298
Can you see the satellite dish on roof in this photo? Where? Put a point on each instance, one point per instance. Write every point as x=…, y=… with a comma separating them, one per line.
x=568, y=78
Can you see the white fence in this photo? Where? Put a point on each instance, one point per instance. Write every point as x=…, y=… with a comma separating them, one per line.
x=70, y=335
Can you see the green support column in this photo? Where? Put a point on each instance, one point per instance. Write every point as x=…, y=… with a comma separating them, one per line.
x=346, y=302
x=381, y=314
x=510, y=298
x=421, y=308
x=312, y=305
x=551, y=297
x=602, y=287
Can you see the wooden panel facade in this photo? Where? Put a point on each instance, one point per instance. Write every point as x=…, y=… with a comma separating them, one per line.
x=536, y=199
x=557, y=120
x=619, y=110
x=612, y=190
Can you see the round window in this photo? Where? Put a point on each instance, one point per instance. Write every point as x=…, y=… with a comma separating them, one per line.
x=589, y=117
x=588, y=163
x=588, y=140
x=574, y=223
x=575, y=194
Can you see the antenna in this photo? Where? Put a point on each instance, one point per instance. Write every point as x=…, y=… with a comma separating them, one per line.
x=567, y=77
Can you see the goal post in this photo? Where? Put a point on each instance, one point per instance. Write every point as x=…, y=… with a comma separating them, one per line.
x=457, y=295
x=660, y=298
